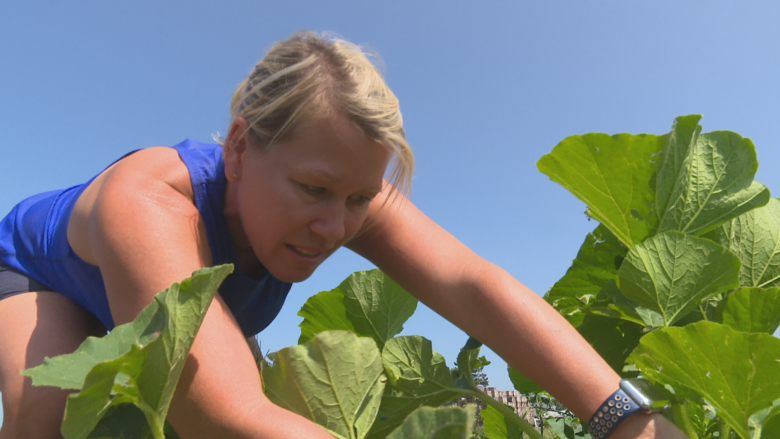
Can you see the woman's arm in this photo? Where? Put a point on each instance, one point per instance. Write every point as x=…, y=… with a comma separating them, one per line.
x=492, y=306
x=139, y=225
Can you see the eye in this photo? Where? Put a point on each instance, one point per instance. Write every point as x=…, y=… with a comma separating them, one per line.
x=314, y=191
x=360, y=200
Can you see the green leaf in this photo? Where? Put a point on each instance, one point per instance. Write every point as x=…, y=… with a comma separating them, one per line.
x=137, y=363
x=69, y=371
x=122, y=421
x=755, y=238
x=597, y=263
x=100, y=395
x=437, y=423
x=734, y=372
x=498, y=427
x=771, y=429
x=324, y=311
x=706, y=179
x=567, y=428
x=672, y=161
x=672, y=273
x=613, y=175
x=521, y=383
x=753, y=310
x=417, y=376
x=468, y=360
x=368, y=303
x=128, y=422
x=613, y=339
x=335, y=380
x=612, y=303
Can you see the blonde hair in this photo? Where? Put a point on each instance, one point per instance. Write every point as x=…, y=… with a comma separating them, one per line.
x=310, y=75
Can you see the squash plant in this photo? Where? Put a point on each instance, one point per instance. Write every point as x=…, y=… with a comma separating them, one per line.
x=680, y=281
x=350, y=374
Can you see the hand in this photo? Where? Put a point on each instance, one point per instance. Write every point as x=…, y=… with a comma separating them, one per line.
x=642, y=425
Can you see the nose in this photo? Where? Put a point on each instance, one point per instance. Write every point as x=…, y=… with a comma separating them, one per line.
x=330, y=223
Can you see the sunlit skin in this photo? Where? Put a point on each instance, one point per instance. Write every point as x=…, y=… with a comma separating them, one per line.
x=291, y=205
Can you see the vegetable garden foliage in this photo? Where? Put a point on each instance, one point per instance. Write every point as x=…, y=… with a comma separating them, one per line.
x=412, y=378
x=350, y=374
x=680, y=282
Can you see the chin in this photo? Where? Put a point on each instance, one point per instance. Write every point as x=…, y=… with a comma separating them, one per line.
x=292, y=276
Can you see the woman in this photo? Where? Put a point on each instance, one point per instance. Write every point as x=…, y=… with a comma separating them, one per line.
x=300, y=174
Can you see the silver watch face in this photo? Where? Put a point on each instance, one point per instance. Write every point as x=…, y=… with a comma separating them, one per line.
x=645, y=394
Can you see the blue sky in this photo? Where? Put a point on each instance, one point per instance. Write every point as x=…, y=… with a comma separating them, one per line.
x=486, y=89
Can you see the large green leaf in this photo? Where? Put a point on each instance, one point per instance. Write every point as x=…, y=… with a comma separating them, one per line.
x=613, y=339
x=367, y=302
x=734, y=372
x=497, y=426
x=417, y=376
x=521, y=383
x=706, y=179
x=771, y=429
x=753, y=310
x=102, y=394
x=324, y=311
x=613, y=175
x=127, y=422
x=612, y=303
x=335, y=380
x=672, y=273
x=597, y=263
x=672, y=160
x=137, y=363
x=437, y=423
x=69, y=371
x=755, y=238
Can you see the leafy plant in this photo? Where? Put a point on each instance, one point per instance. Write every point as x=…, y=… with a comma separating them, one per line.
x=417, y=376
x=315, y=381
x=679, y=281
x=337, y=378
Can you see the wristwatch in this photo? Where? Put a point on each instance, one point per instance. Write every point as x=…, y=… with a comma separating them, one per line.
x=633, y=395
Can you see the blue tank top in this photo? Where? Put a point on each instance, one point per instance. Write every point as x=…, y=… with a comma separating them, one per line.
x=33, y=240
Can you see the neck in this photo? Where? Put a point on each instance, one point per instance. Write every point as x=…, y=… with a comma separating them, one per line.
x=245, y=257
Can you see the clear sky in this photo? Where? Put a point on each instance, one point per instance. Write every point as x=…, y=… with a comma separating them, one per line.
x=486, y=89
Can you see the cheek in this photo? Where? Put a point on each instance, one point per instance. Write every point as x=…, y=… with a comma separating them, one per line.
x=269, y=212
x=257, y=209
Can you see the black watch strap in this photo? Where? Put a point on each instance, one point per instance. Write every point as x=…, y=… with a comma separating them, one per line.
x=612, y=412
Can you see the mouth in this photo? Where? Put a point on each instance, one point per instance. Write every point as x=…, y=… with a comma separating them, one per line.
x=309, y=253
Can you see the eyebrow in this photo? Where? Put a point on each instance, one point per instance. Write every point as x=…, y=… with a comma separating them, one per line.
x=324, y=175
x=332, y=179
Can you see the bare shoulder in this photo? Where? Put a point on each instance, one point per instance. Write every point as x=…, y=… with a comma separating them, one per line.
x=153, y=172
x=138, y=223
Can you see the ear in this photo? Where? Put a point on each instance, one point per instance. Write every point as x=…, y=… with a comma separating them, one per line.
x=236, y=145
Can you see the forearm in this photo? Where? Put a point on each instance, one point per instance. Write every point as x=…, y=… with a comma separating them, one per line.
x=533, y=338
x=220, y=393
x=262, y=421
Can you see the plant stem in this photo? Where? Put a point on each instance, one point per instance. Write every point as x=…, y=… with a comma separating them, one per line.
x=725, y=430
x=159, y=429
x=508, y=414
x=683, y=419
